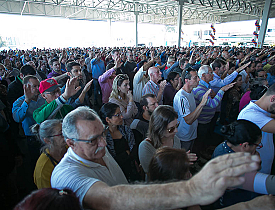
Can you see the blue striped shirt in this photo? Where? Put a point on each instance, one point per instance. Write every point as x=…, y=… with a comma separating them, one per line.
x=208, y=111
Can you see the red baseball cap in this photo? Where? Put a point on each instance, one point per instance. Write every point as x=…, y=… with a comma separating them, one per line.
x=48, y=85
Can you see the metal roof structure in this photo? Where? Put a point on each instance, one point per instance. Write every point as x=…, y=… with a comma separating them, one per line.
x=149, y=11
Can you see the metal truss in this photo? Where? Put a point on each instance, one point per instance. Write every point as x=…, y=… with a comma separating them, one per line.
x=149, y=11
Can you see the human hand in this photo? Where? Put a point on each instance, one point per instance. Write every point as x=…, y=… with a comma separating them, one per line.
x=70, y=89
x=162, y=85
x=205, y=97
x=87, y=86
x=219, y=174
x=130, y=95
x=28, y=93
x=118, y=62
x=192, y=157
x=243, y=67
x=227, y=87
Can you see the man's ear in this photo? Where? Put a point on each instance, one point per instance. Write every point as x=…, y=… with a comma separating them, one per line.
x=70, y=143
x=21, y=76
x=272, y=98
x=43, y=96
x=69, y=74
x=144, y=108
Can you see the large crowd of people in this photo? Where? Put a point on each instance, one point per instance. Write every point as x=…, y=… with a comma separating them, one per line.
x=138, y=128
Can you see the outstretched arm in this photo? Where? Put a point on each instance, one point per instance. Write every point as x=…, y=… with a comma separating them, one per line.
x=204, y=188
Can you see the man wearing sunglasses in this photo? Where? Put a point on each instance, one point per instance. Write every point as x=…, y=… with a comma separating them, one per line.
x=261, y=112
x=55, y=107
x=90, y=171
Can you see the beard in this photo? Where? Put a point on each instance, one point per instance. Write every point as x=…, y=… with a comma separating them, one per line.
x=150, y=112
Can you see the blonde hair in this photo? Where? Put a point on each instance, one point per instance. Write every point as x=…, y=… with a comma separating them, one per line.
x=118, y=82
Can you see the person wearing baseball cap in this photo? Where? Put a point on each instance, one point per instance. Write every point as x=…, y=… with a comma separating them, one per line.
x=55, y=107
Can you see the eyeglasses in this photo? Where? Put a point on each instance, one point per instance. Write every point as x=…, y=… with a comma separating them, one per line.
x=94, y=140
x=117, y=115
x=172, y=129
x=259, y=146
x=56, y=135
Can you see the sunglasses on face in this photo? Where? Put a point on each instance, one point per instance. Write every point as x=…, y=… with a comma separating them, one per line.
x=172, y=129
x=118, y=114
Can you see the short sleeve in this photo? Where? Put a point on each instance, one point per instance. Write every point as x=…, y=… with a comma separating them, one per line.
x=75, y=180
x=256, y=116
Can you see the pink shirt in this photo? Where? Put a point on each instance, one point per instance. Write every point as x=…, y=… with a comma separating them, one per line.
x=244, y=100
x=106, y=84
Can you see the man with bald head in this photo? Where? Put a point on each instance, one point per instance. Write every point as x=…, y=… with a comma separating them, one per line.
x=152, y=85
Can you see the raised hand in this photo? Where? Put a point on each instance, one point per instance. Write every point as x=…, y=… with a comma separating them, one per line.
x=118, y=62
x=205, y=97
x=88, y=86
x=227, y=87
x=70, y=89
x=162, y=85
x=28, y=93
x=221, y=173
x=130, y=95
x=243, y=67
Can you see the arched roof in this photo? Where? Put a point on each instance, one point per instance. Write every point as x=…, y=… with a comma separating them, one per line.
x=150, y=11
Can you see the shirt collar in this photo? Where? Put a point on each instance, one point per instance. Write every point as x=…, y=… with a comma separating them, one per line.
x=83, y=161
x=154, y=84
x=227, y=148
x=204, y=84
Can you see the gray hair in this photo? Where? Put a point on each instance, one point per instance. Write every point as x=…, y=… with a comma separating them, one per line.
x=45, y=130
x=203, y=70
x=69, y=128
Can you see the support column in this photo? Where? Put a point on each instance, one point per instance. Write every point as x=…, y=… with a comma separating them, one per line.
x=110, y=32
x=179, y=20
x=265, y=17
x=136, y=27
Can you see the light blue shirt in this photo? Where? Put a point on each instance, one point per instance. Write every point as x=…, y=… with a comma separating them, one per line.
x=217, y=83
x=23, y=112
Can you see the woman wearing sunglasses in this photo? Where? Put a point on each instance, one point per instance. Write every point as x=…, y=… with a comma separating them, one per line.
x=244, y=136
x=50, y=134
x=162, y=130
x=120, y=140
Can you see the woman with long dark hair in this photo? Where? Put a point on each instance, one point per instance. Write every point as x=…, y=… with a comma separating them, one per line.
x=120, y=140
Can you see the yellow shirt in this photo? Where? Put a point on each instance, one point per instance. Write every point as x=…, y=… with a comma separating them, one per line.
x=43, y=171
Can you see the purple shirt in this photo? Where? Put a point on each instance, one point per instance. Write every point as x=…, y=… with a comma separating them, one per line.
x=55, y=74
x=106, y=84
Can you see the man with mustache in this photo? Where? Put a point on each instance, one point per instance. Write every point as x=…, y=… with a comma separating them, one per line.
x=260, y=112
